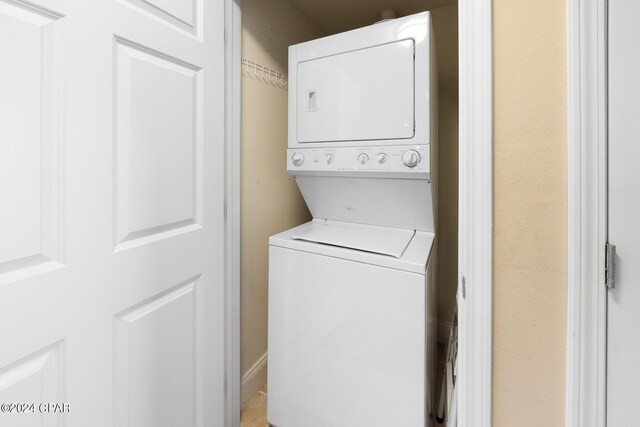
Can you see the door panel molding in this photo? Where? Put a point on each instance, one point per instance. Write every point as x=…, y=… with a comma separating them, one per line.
x=585, y=404
x=34, y=224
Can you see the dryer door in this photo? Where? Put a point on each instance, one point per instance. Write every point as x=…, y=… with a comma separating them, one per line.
x=366, y=94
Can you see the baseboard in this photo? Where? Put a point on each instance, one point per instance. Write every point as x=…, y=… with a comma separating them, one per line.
x=444, y=329
x=253, y=379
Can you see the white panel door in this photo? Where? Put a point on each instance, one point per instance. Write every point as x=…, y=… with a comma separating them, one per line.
x=623, y=329
x=111, y=212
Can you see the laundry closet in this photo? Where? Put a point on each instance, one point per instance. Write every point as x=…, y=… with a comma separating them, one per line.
x=271, y=201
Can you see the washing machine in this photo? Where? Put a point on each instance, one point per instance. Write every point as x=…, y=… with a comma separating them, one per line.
x=352, y=293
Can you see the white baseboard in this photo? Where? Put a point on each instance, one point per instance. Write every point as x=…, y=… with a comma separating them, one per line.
x=253, y=379
x=444, y=328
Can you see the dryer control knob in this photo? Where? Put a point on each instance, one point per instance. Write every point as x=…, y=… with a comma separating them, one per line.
x=297, y=159
x=382, y=158
x=411, y=158
x=363, y=158
x=329, y=158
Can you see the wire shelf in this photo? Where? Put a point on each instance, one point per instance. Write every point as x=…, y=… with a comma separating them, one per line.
x=265, y=74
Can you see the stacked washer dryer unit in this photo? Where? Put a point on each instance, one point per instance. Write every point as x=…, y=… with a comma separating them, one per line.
x=351, y=293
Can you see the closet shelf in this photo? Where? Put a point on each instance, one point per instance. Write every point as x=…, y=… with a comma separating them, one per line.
x=265, y=74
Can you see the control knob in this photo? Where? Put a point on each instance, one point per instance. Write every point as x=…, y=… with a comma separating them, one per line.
x=297, y=158
x=411, y=158
x=382, y=158
x=363, y=158
x=329, y=158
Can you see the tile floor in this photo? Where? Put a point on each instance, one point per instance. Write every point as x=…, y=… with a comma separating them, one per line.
x=254, y=413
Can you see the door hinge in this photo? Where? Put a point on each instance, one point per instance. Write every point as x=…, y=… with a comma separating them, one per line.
x=610, y=266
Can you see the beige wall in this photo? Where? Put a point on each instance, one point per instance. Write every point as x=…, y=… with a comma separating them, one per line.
x=270, y=200
x=445, y=26
x=529, y=213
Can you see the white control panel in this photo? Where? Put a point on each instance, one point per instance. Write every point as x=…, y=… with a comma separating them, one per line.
x=361, y=161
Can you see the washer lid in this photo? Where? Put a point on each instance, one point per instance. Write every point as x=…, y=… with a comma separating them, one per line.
x=368, y=238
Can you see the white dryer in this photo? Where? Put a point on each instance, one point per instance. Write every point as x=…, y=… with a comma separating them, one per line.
x=352, y=293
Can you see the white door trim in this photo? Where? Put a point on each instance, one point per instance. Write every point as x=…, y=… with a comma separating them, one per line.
x=232, y=210
x=586, y=210
x=475, y=213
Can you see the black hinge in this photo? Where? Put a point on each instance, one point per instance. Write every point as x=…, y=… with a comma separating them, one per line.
x=610, y=266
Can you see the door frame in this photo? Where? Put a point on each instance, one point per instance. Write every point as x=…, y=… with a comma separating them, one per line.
x=585, y=404
x=475, y=215
x=232, y=154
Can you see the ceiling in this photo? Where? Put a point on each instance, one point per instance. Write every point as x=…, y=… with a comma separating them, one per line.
x=335, y=16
